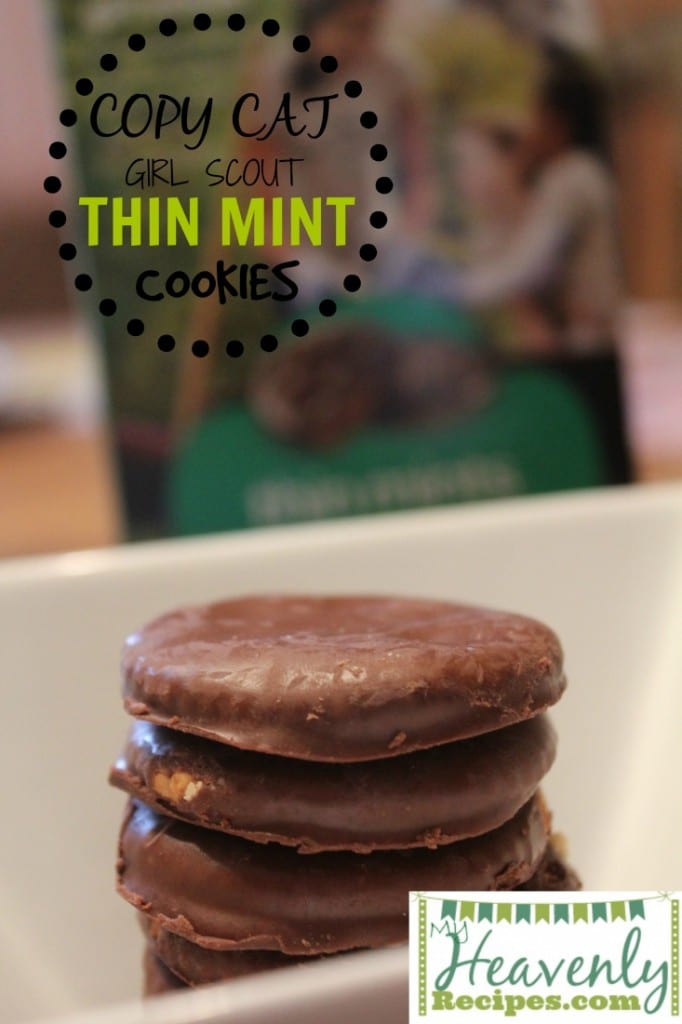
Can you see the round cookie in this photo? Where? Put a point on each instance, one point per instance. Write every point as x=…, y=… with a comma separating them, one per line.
x=223, y=892
x=157, y=978
x=428, y=798
x=340, y=678
x=194, y=965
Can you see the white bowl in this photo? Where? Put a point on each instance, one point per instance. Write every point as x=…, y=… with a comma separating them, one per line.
x=604, y=569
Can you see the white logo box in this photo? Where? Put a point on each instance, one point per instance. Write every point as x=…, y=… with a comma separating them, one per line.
x=522, y=955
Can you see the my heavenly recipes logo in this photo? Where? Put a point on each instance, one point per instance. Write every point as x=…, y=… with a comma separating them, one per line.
x=259, y=206
x=522, y=956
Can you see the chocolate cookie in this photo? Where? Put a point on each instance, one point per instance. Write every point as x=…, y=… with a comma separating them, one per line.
x=223, y=892
x=157, y=978
x=427, y=798
x=324, y=390
x=197, y=965
x=553, y=873
x=340, y=678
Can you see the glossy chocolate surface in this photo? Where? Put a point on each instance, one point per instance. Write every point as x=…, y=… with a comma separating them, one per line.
x=428, y=798
x=223, y=892
x=340, y=678
x=197, y=965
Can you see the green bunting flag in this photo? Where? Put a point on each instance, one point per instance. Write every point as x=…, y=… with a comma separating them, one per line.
x=523, y=912
x=543, y=913
x=599, y=912
x=449, y=909
x=618, y=911
x=468, y=911
x=636, y=909
x=561, y=912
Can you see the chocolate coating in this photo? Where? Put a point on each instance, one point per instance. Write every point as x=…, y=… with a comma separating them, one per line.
x=428, y=798
x=340, y=678
x=197, y=965
x=226, y=893
x=157, y=977
x=553, y=873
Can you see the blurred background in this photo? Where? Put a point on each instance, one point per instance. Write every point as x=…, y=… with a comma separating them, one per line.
x=81, y=464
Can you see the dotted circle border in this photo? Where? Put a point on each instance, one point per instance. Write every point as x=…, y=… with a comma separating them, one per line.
x=58, y=149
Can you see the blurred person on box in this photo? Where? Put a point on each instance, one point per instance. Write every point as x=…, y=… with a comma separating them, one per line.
x=558, y=261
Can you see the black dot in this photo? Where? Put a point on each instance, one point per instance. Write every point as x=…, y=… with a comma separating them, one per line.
x=108, y=62
x=300, y=328
x=268, y=343
x=57, y=150
x=202, y=22
x=166, y=343
x=369, y=119
x=200, y=349
x=327, y=307
x=353, y=89
x=167, y=27
x=352, y=283
x=270, y=27
x=301, y=44
x=135, y=328
x=378, y=152
x=57, y=218
x=234, y=349
x=67, y=251
x=378, y=219
x=137, y=42
x=107, y=307
x=68, y=117
x=384, y=186
x=83, y=282
x=368, y=253
x=236, y=22
x=84, y=86
x=329, y=65
x=52, y=184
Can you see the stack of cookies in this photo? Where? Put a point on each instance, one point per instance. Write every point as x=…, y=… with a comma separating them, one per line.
x=299, y=764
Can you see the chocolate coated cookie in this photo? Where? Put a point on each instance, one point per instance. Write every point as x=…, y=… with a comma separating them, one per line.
x=197, y=965
x=553, y=873
x=223, y=892
x=340, y=678
x=158, y=979
x=428, y=798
